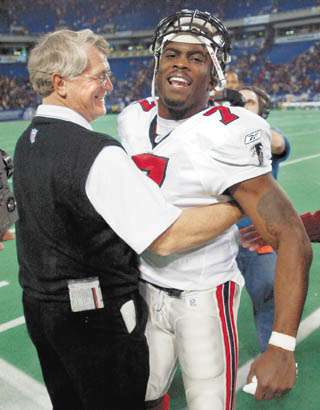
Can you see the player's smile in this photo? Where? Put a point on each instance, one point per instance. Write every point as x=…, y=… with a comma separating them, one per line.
x=178, y=80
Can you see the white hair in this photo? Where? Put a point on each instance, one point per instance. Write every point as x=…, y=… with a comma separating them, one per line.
x=61, y=52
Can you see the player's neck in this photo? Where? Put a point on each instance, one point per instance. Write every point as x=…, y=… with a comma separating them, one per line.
x=178, y=113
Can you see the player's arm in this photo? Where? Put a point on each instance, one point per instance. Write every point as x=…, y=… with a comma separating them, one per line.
x=195, y=227
x=280, y=226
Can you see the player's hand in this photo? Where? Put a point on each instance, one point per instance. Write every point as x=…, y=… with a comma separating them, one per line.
x=250, y=238
x=275, y=370
x=1, y=246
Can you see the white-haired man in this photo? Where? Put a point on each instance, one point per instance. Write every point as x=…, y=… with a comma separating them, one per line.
x=198, y=153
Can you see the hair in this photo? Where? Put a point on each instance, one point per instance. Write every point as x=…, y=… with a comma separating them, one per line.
x=61, y=52
x=264, y=100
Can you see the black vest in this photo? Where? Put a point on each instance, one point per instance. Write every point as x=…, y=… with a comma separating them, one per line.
x=60, y=236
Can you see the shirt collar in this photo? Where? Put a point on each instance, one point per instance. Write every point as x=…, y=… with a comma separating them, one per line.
x=62, y=113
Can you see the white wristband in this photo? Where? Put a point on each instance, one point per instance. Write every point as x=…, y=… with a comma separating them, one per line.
x=284, y=341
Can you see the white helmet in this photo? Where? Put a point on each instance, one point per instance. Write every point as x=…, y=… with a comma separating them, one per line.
x=194, y=26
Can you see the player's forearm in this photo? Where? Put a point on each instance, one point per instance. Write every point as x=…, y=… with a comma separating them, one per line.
x=195, y=227
x=291, y=280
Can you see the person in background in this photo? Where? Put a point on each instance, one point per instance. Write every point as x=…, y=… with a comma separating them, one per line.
x=86, y=211
x=258, y=267
x=232, y=80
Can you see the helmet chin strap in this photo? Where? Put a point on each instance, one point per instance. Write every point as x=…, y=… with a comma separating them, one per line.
x=218, y=70
x=153, y=83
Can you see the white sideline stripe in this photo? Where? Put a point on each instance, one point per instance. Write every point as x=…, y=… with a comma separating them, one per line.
x=13, y=323
x=37, y=392
x=24, y=385
x=3, y=283
x=307, y=326
x=295, y=161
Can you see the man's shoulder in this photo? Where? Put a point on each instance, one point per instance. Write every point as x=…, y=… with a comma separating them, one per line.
x=143, y=106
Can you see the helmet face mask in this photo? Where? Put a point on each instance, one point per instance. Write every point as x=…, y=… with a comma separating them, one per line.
x=209, y=30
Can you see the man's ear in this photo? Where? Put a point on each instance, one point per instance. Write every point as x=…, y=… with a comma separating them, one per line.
x=59, y=85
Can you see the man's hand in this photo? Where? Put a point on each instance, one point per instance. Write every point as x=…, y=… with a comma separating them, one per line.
x=250, y=238
x=275, y=370
x=311, y=223
x=1, y=246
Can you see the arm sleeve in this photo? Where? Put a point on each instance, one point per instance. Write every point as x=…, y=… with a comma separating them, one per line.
x=233, y=159
x=130, y=202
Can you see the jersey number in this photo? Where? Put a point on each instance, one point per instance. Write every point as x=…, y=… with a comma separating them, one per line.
x=226, y=115
x=153, y=165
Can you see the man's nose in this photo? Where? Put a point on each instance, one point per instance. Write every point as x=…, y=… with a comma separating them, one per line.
x=108, y=85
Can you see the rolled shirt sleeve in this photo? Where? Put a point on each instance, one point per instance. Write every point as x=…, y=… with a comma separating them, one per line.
x=129, y=201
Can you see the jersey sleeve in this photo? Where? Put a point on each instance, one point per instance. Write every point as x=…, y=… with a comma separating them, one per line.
x=128, y=201
x=233, y=153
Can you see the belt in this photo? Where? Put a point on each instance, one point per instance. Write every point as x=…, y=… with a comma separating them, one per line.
x=176, y=293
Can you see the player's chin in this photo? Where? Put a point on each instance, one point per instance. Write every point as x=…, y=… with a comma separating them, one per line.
x=176, y=101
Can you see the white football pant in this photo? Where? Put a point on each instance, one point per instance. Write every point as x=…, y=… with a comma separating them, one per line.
x=199, y=329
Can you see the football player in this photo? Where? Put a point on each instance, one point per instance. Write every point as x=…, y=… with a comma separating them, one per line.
x=199, y=154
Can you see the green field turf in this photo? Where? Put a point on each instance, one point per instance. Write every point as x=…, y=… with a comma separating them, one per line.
x=300, y=177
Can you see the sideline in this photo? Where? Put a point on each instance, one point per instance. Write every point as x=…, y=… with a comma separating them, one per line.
x=295, y=161
x=20, y=389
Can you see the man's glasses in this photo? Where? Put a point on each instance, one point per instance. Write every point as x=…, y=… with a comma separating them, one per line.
x=102, y=79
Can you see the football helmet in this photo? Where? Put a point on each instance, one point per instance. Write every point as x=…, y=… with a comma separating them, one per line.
x=209, y=30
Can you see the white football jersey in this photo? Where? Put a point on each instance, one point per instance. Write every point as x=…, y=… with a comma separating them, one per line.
x=194, y=165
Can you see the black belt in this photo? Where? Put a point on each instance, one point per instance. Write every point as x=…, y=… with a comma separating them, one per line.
x=176, y=293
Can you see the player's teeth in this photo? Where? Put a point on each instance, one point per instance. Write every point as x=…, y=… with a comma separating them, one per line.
x=179, y=80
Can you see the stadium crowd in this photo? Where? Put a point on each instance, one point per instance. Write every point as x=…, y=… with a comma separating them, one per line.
x=282, y=81
x=16, y=93
x=298, y=77
x=101, y=15
x=106, y=15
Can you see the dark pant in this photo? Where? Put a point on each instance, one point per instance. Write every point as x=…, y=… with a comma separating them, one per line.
x=89, y=360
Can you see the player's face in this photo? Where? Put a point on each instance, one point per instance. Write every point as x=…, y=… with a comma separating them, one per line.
x=251, y=100
x=183, y=80
x=86, y=92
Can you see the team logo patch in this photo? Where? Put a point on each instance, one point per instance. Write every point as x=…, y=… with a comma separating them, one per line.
x=257, y=150
x=252, y=137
